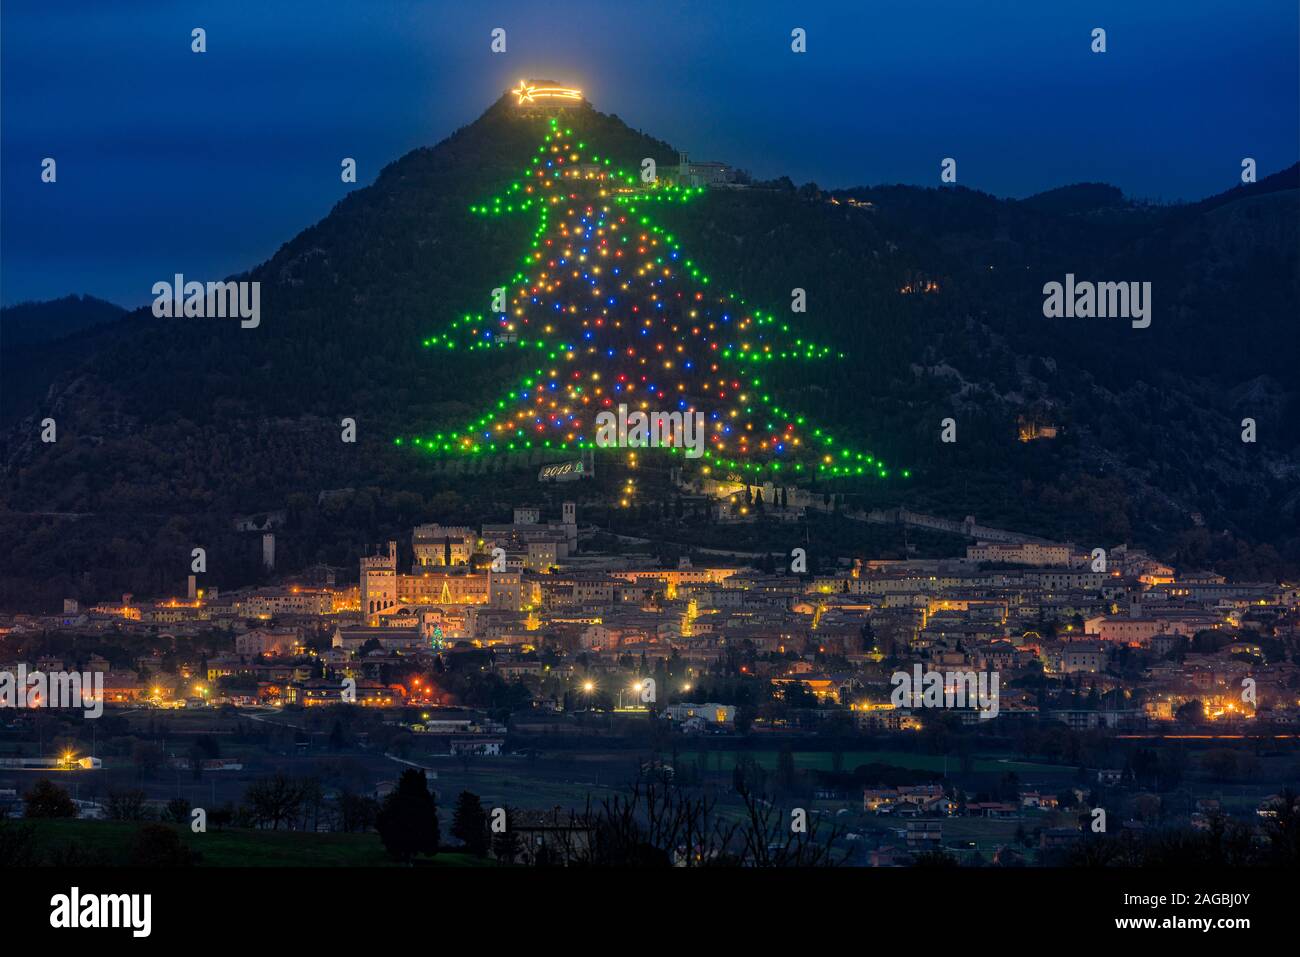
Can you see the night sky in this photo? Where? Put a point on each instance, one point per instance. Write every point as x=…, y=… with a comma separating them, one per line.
x=170, y=161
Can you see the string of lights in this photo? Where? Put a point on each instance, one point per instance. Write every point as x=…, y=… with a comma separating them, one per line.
x=617, y=315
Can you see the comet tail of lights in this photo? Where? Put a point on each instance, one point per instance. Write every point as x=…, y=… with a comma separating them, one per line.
x=530, y=93
x=612, y=315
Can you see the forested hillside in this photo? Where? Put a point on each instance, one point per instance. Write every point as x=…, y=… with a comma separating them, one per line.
x=168, y=428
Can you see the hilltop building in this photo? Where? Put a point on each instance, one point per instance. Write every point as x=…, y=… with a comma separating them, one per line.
x=703, y=174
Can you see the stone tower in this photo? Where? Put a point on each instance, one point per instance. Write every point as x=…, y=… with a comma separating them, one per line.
x=569, y=521
x=378, y=584
x=268, y=551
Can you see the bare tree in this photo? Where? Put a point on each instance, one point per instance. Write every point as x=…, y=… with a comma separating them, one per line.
x=658, y=824
x=771, y=841
x=127, y=804
x=275, y=800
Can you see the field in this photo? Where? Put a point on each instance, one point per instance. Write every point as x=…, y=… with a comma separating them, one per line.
x=821, y=761
x=232, y=847
x=541, y=771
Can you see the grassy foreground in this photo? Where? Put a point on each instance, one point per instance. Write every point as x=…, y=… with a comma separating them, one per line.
x=110, y=843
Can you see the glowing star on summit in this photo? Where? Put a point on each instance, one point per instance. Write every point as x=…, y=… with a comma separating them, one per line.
x=529, y=93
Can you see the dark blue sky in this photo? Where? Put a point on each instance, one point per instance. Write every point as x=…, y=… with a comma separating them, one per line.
x=204, y=164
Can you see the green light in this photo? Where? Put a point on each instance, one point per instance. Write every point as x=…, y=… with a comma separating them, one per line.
x=522, y=287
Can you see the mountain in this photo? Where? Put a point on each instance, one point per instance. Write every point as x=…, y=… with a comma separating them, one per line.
x=1149, y=420
x=39, y=339
x=169, y=428
x=1080, y=198
x=650, y=351
x=31, y=323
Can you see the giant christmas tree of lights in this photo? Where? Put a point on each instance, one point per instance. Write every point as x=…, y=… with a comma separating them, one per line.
x=616, y=315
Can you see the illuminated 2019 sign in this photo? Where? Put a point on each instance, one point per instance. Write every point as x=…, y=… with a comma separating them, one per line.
x=563, y=472
x=529, y=92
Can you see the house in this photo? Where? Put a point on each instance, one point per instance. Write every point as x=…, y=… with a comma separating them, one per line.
x=1055, y=837
x=318, y=692
x=873, y=799
x=924, y=835
x=1039, y=800
x=557, y=836
x=1088, y=657
x=693, y=726
x=122, y=687
x=723, y=714
x=277, y=643
x=890, y=855
x=389, y=639
x=476, y=745
x=945, y=806
x=919, y=794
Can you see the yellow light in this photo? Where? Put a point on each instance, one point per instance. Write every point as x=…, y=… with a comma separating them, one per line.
x=528, y=93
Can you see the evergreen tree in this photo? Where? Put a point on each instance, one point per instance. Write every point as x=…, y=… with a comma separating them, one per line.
x=469, y=824
x=785, y=770
x=47, y=799
x=408, y=820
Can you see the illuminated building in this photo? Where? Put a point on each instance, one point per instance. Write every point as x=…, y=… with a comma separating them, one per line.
x=442, y=588
x=1030, y=431
x=1045, y=554
x=378, y=584
x=431, y=544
